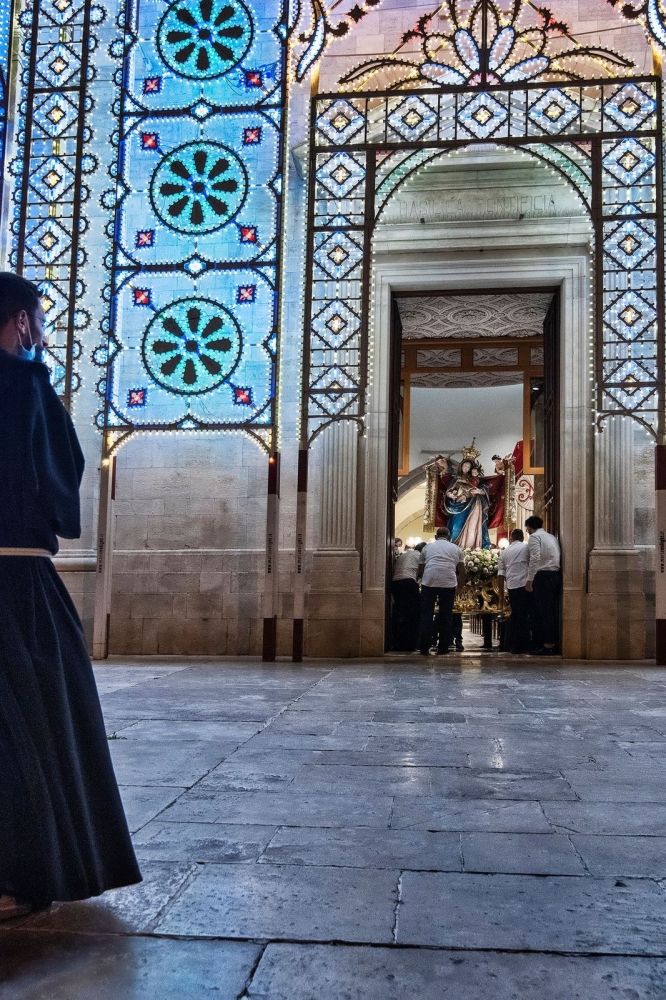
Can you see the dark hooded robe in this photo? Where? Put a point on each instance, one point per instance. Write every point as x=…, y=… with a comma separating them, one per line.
x=63, y=833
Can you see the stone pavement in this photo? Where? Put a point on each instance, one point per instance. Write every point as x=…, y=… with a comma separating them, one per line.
x=393, y=830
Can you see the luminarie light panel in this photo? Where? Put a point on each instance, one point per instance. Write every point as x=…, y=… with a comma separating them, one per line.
x=196, y=243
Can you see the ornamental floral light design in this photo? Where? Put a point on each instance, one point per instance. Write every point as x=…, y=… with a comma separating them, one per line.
x=490, y=43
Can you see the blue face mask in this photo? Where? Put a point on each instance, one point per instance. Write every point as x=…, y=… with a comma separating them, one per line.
x=28, y=355
x=33, y=353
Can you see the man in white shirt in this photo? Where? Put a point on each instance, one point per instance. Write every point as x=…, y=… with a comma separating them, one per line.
x=406, y=597
x=512, y=572
x=543, y=580
x=443, y=569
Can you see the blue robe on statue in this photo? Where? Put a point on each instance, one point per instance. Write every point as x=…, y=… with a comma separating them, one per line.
x=63, y=833
x=468, y=516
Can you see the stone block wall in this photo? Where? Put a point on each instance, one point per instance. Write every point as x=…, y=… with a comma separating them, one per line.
x=190, y=522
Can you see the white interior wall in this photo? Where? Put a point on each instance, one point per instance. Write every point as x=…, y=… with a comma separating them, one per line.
x=445, y=420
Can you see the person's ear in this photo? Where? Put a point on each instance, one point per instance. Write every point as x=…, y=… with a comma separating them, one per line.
x=23, y=324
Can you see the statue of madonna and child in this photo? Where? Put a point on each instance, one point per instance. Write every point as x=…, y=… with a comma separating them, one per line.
x=460, y=498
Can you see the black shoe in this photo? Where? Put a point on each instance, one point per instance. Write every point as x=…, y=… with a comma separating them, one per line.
x=424, y=652
x=459, y=647
x=442, y=652
x=544, y=651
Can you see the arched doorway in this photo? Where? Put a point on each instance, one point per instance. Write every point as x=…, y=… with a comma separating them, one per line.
x=601, y=134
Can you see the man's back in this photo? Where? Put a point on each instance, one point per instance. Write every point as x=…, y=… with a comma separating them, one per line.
x=440, y=559
x=544, y=550
x=513, y=564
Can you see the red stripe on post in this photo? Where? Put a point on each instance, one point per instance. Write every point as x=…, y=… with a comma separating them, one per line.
x=660, y=467
x=298, y=640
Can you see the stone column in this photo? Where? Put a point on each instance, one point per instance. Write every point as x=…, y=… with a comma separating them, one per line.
x=333, y=603
x=338, y=486
x=614, y=492
x=616, y=602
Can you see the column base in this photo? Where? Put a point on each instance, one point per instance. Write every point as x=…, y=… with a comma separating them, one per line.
x=616, y=605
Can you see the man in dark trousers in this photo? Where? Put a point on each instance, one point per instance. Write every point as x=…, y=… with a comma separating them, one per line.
x=543, y=580
x=512, y=573
x=443, y=570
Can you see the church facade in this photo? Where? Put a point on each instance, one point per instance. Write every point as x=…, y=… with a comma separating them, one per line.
x=280, y=250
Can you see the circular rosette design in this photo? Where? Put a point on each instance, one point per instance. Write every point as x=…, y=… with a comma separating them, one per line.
x=192, y=346
x=199, y=187
x=202, y=39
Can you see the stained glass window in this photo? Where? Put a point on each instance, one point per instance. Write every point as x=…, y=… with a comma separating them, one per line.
x=192, y=327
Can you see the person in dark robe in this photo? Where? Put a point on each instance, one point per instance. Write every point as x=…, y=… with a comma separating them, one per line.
x=63, y=833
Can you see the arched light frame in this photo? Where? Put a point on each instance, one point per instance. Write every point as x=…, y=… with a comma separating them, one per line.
x=606, y=130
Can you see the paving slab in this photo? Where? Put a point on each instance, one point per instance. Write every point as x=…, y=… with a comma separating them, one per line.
x=603, y=787
x=633, y=856
x=143, y=802
x=477, y=784
x=36, y=966
x=620, y=818
x=364, y=780
x=361, y=847
x=291, y=807
x=315, y=972
x=131, y=910
x=269, y=739
x=225, y=733
x=435, y=812
x=520, y=853
x=268, y=901
x=202, y=842
x=165, y=762
x=532, y=913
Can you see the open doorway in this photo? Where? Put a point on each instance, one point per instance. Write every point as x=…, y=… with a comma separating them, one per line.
x=474, y=413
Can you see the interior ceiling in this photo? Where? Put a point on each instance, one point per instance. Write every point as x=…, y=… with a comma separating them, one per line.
x=515, y=314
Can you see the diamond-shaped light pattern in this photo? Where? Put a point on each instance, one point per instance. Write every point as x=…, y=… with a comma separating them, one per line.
x=55, y=115
x=630, y=108
x=630, y=383
x=335, y=324
x=412, y=118
x=340, y=174
x=629, y=243
x=51, y=179
x=482, y=116
x=628, y=160
x=336, y=255
x=49, y=241
x=554, y=111
x=58, y=65
x=631, y=314
x=340, y=123
x=334, y=389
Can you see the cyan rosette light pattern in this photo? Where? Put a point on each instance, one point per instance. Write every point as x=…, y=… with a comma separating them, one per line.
x=199, y=187
x=192, y=346
x=191, y=337
x=202, y=39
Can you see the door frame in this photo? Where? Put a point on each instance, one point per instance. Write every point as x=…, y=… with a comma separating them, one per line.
x=567, y=268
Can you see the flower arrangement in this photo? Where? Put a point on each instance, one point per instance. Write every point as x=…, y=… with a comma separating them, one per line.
x=481, y=564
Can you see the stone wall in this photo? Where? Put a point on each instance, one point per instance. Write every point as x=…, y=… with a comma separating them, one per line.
x=190, y=522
